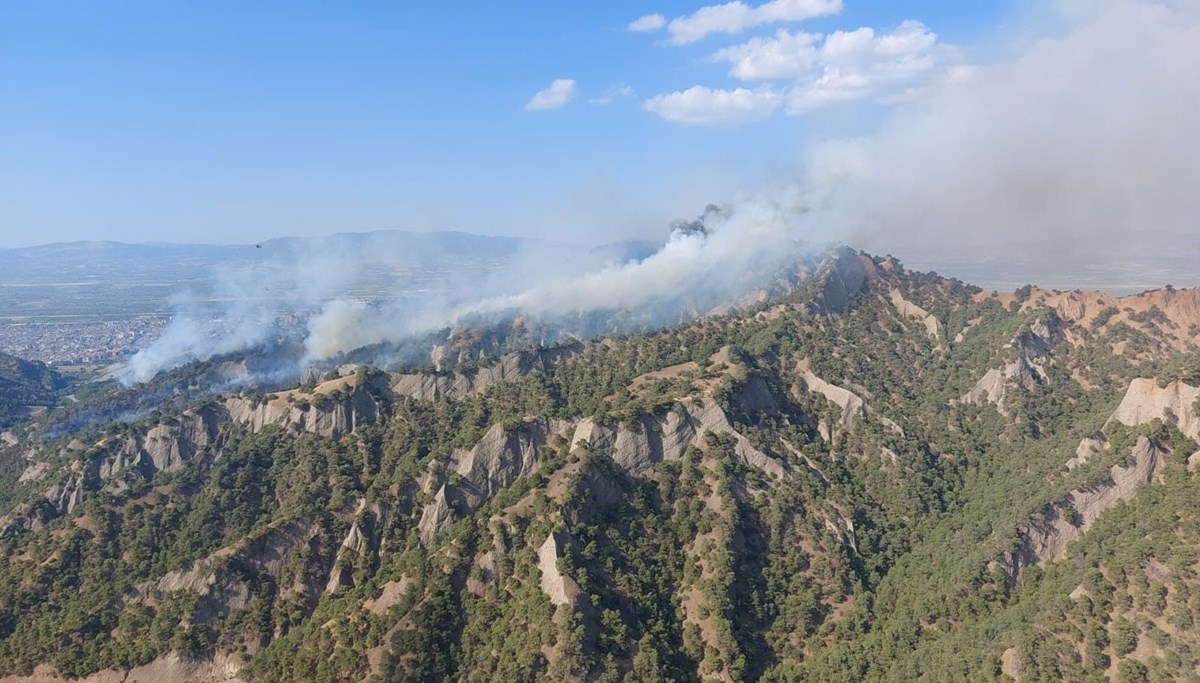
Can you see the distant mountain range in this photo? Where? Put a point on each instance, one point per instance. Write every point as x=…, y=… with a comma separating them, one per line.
x=104, y=278
x=120, y=260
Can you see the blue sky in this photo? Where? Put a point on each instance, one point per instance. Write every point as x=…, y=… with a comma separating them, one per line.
x=239, y=121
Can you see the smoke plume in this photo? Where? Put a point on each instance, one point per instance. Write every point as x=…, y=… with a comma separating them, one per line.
x=1077, y=150
x=709, y=259
x=1082, y=149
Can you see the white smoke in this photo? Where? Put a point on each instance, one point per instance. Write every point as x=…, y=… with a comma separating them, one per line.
x=249, y=302
x=1079, y=146
x=759, y=235
x=227, y=319
x=1086, y=143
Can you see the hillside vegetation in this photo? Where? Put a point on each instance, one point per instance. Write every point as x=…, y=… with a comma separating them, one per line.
x=875, y=475
x=24, y=385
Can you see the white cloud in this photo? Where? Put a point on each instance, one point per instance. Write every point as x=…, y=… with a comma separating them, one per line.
x=864, y=65
x=846, y=66
x=555, y=95
x=737, y=16
x=612, y=94
x=701, y=106
x=650, y=22
x=784, y=56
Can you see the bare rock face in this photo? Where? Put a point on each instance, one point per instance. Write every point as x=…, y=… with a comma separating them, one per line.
x=845, y=276
x=352, y=545
x=437, y=515
x=499, y=459
x=991, y=388
x=649, y=440
x=1088, y=447
x=908, y=309
x=244, y=411
x=173, y=443
x=429, y=387
x=34, y=472
x=560, y=588
x=171, y=667
x=67, y=494
x=851, y=404
x=165, y=447
x=1147, y=463
x=470, y=478
x=638, y=446
x=1145, y=401
x=217, y=579
x=360, y=539
x=1049, y=329
x=390, y=594
x=330, y=415
x=995, y=383
x=1046, y=538
x=587, y=432
x=1011, y=664
x=1033, y=348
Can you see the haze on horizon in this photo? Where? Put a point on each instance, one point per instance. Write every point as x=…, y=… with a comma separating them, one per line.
x=1057, y=137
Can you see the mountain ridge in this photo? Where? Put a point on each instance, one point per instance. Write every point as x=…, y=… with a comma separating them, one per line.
x=790, y=490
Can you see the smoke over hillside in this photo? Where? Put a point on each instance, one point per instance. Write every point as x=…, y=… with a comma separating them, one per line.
x=1086, y=140
x=722, y=254
x=1080, y=147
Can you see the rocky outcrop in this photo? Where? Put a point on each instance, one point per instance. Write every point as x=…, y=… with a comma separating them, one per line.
x=429, y=387
x=332, y=415
x=852, y=406
x=560, y=588
x=34, y=472
x=1180, y=306
x=1145, y=401
x=843, y=277
x=995, y=383
x=1046, y=538
x=469, y=478
x=1033, y=349
x=1124, y=481
x=1088, y=447
x=171, y=444
x=639, y=445
x=67, y=494
x=359, y=540
x=435, y=516
x=908, y=309
x=164, y=447
x=218, y=578
x=500, y=458
x=171, y=667
x=1011, y=664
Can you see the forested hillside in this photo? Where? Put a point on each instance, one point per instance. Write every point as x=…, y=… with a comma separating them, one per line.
x=25, y=384
x=874, y=475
